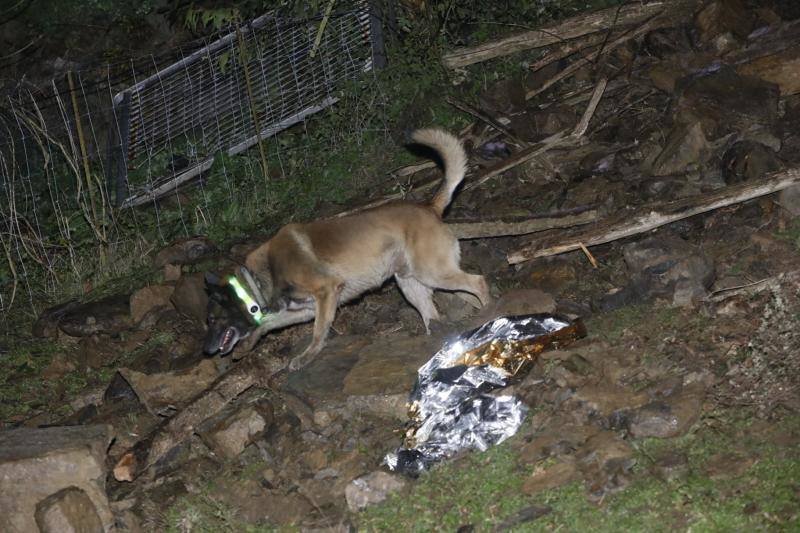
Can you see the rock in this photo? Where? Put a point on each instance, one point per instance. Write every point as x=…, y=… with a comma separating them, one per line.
x=46, y=326
x=527, y=514
x=255, y=504
x=604, y=447
x=69, y=510
x=726, y=465
x=604, y=398
x=556, y=440
x=388, y=366
x=161, y=393
x=190, y=297
x=552, y=477
x=789, y=199
x=118, y=391
x=724, y=43
x=665, y=266
x=666, y=418
x=725, y=102
x=59, y=366
x=94, y=351
x=688, y=293
x=172, y=272
x=388, y=405
x=109, y=316
x=230, y=431
x=665, y=74
x=148, y=298
x=665, y=42
x=782, y=69
x=747, y=160
x=38, y=463
x=503, y=97
x=724, y=16
x=686, y=145
x=552, y=275
x=605, y=462
x=371, y=489
x=184, y=251
x=536, y=125
x=671, y=466
x=517, y=302
x=316, y=460
x=322, y=381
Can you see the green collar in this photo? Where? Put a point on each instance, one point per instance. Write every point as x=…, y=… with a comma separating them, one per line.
x=248, y=301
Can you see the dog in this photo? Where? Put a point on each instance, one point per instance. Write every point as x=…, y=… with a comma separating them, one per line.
x=306, y=271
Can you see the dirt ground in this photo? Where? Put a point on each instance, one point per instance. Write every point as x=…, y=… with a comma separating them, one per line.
x=678, y=410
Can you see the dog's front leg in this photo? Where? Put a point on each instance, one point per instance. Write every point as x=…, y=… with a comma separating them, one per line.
x=325, y=303
x=275, y=321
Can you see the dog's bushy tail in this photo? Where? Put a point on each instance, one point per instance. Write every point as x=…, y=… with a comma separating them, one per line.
x=454, y=158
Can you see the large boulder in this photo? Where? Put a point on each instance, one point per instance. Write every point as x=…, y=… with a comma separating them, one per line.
x=50, y=476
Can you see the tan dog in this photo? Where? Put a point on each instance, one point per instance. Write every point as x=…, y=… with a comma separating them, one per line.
x=306, y=270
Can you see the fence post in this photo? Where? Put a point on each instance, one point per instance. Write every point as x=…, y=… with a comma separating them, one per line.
x=376, y=13
x=123, y=119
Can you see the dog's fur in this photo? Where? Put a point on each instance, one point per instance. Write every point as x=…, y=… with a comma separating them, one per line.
x=306, y=270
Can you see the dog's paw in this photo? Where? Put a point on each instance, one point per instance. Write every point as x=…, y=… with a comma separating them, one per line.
x=298, y=362
x=247, y=344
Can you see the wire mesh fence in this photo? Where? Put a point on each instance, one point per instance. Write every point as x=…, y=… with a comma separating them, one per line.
x=79, y=155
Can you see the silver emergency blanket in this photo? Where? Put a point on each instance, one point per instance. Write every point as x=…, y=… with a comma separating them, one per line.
x=450, y=409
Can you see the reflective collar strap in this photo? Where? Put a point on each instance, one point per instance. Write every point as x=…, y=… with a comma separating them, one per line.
x=248, y=300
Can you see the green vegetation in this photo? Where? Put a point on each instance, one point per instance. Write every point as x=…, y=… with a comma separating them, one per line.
x=482, y=489
x=24, y=391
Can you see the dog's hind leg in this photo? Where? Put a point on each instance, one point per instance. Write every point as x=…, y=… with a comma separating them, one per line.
x=463, y=282
x=421, y=297
x=325, y=304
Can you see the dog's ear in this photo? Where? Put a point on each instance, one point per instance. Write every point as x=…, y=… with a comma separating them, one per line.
x=212, y=280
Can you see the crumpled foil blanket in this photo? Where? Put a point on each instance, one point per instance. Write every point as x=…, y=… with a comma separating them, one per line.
x=450, y=408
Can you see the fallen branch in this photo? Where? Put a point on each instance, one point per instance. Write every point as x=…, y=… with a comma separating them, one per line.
x=614, y=17
x=772, y=283
x=568, y=48
x=490, y=229
x=491, y=121
x=652, y=216
x=173, y=431
x=580, y=63
x=413, y=168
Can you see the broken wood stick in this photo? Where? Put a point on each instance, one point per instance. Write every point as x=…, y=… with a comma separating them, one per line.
x=576, y=65
x=496, y=228
x=491, y=121
x=173, y=431
x=564, y=50
x=652, y=216
x=578, y=26
x=771, y=283
x=413, y=168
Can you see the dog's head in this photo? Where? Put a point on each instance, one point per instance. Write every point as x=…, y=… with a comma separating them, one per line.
x=228, y=319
